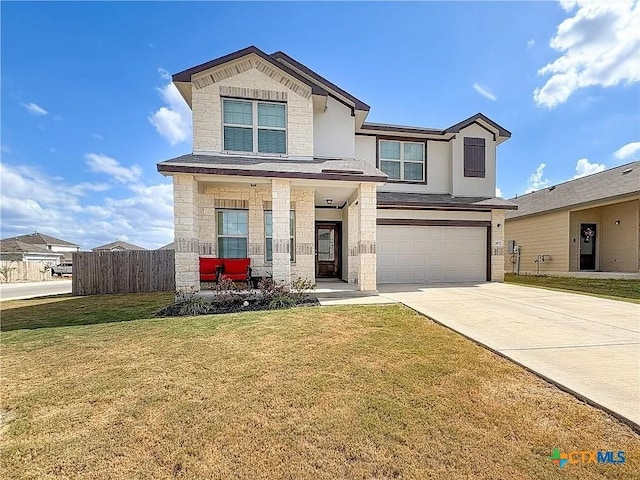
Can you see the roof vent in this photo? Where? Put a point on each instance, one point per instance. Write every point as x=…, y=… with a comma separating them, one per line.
x=551, y=189
x=628, y=170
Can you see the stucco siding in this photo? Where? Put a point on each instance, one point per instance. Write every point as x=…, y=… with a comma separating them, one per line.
x=334, y=131
x=471, y=187
x=366, y=149
x=545, y=234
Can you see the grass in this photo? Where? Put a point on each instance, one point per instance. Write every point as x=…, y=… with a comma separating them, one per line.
x=628, y=290
x=372, y=392
x=65, y=310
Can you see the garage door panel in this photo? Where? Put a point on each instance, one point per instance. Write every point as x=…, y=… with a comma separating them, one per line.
x=410, y=254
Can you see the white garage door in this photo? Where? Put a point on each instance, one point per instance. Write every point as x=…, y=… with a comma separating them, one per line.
x=408, y=254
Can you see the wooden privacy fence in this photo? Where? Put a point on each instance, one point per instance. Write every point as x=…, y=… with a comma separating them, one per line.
x=126, y=271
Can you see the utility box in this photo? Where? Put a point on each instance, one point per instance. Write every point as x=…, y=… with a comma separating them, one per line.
x=512, y=246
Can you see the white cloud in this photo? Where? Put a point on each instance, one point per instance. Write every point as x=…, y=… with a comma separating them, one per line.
x=498, y=192
x=100, y=163
x=172, y=121
x=628, y=151
x=164, y=74
x=584, y=168
x=32, y=200
x=599, y=46
x=531, y=43
x=485, y=92
x=34, y=109
x=536, y=180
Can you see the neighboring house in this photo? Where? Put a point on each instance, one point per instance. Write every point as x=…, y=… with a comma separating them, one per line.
x=17, y=251
x=286, y=171
x=40, y=241
x=168, y=246
x=588, y=224
x=118, y=246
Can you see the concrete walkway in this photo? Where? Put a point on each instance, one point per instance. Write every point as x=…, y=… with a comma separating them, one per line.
x=588, y=345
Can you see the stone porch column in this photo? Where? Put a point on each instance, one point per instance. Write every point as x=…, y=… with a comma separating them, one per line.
x=186, y=229
x=280, y=207
x=367, y=205
x=353, y=236
x=497, y=246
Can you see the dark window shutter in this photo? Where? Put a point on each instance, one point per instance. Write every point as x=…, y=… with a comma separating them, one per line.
x=474, y=157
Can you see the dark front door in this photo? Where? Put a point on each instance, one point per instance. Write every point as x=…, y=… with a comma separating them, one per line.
x=588, y=246
x=328, y=250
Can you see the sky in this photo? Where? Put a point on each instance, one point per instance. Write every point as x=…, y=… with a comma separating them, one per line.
x=88, y=108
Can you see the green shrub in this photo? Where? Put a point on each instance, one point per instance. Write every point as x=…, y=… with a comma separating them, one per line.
x=281, y=300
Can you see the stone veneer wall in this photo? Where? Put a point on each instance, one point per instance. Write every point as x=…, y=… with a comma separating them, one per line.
x=497, y=245
x=186, y=225
x=250, y=78
x=257, y=200
x=367, y=246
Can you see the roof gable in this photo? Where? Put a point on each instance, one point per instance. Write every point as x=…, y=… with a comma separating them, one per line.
x=119, y=245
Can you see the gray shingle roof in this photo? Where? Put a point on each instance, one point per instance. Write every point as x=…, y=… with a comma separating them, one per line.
x=442, y=201
x=119, y=245
x=609, y=184
x=317, y=168
x=37, y=238
x=11, y=245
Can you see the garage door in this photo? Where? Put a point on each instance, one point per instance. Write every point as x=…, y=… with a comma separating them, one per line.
x=408, y=254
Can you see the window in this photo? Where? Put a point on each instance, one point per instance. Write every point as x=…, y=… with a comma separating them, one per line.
x=251, y=126
x=474, y=157
x=268, y=235
x=232, y=233
x=402, y=160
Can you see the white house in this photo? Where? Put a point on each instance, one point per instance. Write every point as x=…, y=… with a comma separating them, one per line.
x=286, y=171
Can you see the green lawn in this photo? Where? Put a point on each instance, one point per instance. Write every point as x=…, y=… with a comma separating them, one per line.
x=628, y=290
x=371, y=392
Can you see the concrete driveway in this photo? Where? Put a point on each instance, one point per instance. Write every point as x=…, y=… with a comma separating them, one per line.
x=586, y=344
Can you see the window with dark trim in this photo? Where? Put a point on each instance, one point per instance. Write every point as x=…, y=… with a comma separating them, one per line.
x=402, y=160
x=268, y=235
x=252, y=126
x=474, y=157
x=233, y=228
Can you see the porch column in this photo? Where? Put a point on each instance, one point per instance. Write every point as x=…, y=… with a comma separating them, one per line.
x=497, y=246
x=280, y=207
x=353, y=236
x=186, y=228
x=367, y=204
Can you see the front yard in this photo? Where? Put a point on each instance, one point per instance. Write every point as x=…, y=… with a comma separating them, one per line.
x=334, y=392
x=627, y=290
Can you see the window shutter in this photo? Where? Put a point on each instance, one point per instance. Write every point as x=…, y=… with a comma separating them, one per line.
x=474, y=157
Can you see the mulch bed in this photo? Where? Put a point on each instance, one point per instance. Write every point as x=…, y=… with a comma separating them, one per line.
x=240, y=303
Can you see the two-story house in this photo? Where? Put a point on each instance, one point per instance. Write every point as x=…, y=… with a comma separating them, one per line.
x=286, y=171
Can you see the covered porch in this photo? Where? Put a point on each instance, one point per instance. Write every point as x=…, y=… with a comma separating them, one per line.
x=317, y=229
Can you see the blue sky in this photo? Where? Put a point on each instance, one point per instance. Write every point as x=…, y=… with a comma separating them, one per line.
x=88, y=109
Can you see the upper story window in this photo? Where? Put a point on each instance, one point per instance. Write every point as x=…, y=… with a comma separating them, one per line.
x=254, y=126
x=474, y=157
x=402, y=160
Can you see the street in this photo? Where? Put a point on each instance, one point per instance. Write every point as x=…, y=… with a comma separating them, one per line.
x=17, y=291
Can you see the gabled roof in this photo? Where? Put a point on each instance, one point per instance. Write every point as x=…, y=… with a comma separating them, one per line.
x=319, y=85
x=387, y=127
x=281, y=56
x=11, y=245
x=119, y=245
x=609, y=184
x=168, y=246
x=185, y=75
x=37, y=238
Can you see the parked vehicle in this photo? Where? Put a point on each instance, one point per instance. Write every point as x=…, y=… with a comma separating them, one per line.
x=62, y=269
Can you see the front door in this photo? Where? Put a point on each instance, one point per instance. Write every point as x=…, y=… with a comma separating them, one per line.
x=328, y=250
x=588, y=246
